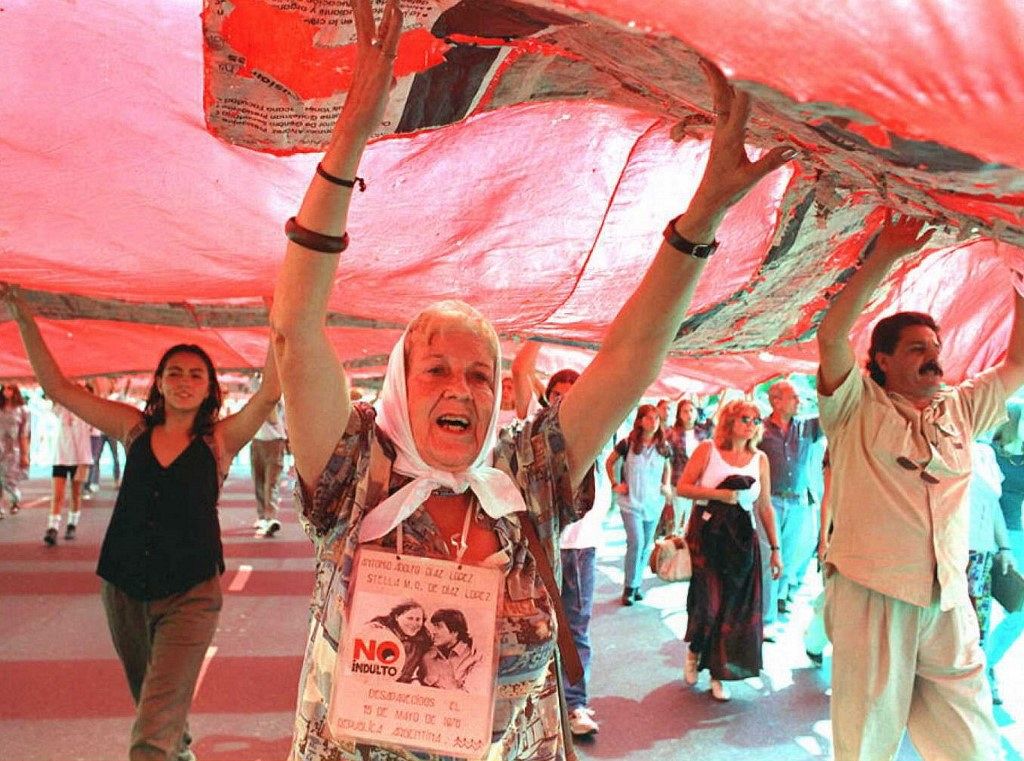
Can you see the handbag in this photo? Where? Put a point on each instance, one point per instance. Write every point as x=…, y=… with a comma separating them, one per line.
x=1008, y=589
x=670, y=559
x=667, y=521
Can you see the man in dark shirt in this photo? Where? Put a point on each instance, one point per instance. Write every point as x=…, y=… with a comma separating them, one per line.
x=789, y=443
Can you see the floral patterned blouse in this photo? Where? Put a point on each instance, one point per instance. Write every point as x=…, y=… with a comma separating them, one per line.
x=14, y=424
x=527, y=718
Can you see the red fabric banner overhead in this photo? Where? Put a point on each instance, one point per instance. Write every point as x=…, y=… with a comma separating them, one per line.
x=532, y=155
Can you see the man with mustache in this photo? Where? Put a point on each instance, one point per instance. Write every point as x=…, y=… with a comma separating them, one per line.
x=906, y=651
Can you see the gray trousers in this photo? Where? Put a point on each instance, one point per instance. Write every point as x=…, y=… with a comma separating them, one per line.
x=267, y=460
x=162, y=644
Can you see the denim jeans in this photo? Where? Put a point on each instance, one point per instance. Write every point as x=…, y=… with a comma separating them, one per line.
x=98, y=442
x=798, y=538
x=639, y=542
x=578, y=568
x=769, y=586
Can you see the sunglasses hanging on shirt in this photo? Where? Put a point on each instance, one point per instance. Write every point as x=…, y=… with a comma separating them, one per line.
x=907, y=464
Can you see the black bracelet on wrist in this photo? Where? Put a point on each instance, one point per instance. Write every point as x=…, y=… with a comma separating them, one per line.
x=775, y=548
x=688, y=247
x=340, y=181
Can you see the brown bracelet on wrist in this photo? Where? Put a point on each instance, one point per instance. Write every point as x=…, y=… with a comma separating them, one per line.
x=314, y=241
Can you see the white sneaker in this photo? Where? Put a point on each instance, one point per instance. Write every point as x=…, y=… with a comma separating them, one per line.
x=261, y=527
x=273, y=526
x=258, y=523
x=581, y=722
x=690, y=668
x=719, y=691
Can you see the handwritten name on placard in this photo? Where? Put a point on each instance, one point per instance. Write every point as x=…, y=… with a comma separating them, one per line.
x=391, y=572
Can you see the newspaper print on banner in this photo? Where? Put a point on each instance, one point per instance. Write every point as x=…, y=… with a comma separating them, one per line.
x=276, y=71
x=417, y=666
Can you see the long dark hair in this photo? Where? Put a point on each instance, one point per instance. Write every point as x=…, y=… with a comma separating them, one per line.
x=679, y=409
x=456, y=623
x=154, y=413
x=636, y=436
x=391, y=622
x=17, y=399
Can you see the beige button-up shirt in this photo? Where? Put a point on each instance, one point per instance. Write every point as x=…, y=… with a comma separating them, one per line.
x=894, y=531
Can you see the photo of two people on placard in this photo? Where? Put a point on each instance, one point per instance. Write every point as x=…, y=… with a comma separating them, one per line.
x=439, y=650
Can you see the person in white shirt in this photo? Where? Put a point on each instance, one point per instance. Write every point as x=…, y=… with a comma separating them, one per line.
x=71, y=460
x=266, y=456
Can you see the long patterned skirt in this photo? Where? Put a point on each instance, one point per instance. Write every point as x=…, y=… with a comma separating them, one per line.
x=723, y=605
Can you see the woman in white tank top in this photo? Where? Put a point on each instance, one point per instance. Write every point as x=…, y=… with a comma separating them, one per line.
x=727, y=479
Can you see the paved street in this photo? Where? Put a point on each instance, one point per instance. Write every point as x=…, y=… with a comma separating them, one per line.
x=63, y=696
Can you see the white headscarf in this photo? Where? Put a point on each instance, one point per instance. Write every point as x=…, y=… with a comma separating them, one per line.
x=497, y=492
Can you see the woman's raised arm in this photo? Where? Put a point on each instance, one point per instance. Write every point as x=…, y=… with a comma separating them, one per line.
x=113, y=418
x=235, y=430
x=316, y=392
x=638, y=340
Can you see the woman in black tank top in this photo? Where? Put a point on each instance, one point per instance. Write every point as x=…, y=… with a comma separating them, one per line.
x=161, y=558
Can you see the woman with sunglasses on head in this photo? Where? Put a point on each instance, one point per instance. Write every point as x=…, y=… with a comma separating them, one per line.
x=727, y=479
x=162, y=557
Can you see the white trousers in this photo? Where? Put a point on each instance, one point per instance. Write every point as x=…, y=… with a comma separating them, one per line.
x=897, y=665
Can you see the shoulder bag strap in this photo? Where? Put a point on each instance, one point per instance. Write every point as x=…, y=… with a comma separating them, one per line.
x=569, y=657
x=566, y=646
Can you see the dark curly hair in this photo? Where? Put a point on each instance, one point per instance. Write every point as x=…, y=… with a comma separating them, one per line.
x=562, y=376
x=456, y=623
x=886, y=334
x=154, y=413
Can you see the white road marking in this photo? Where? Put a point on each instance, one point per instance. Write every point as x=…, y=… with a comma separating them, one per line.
x=238, y=583
x=210, y=652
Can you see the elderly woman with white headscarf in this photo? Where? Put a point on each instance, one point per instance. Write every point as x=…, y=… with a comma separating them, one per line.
x=444, y=476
